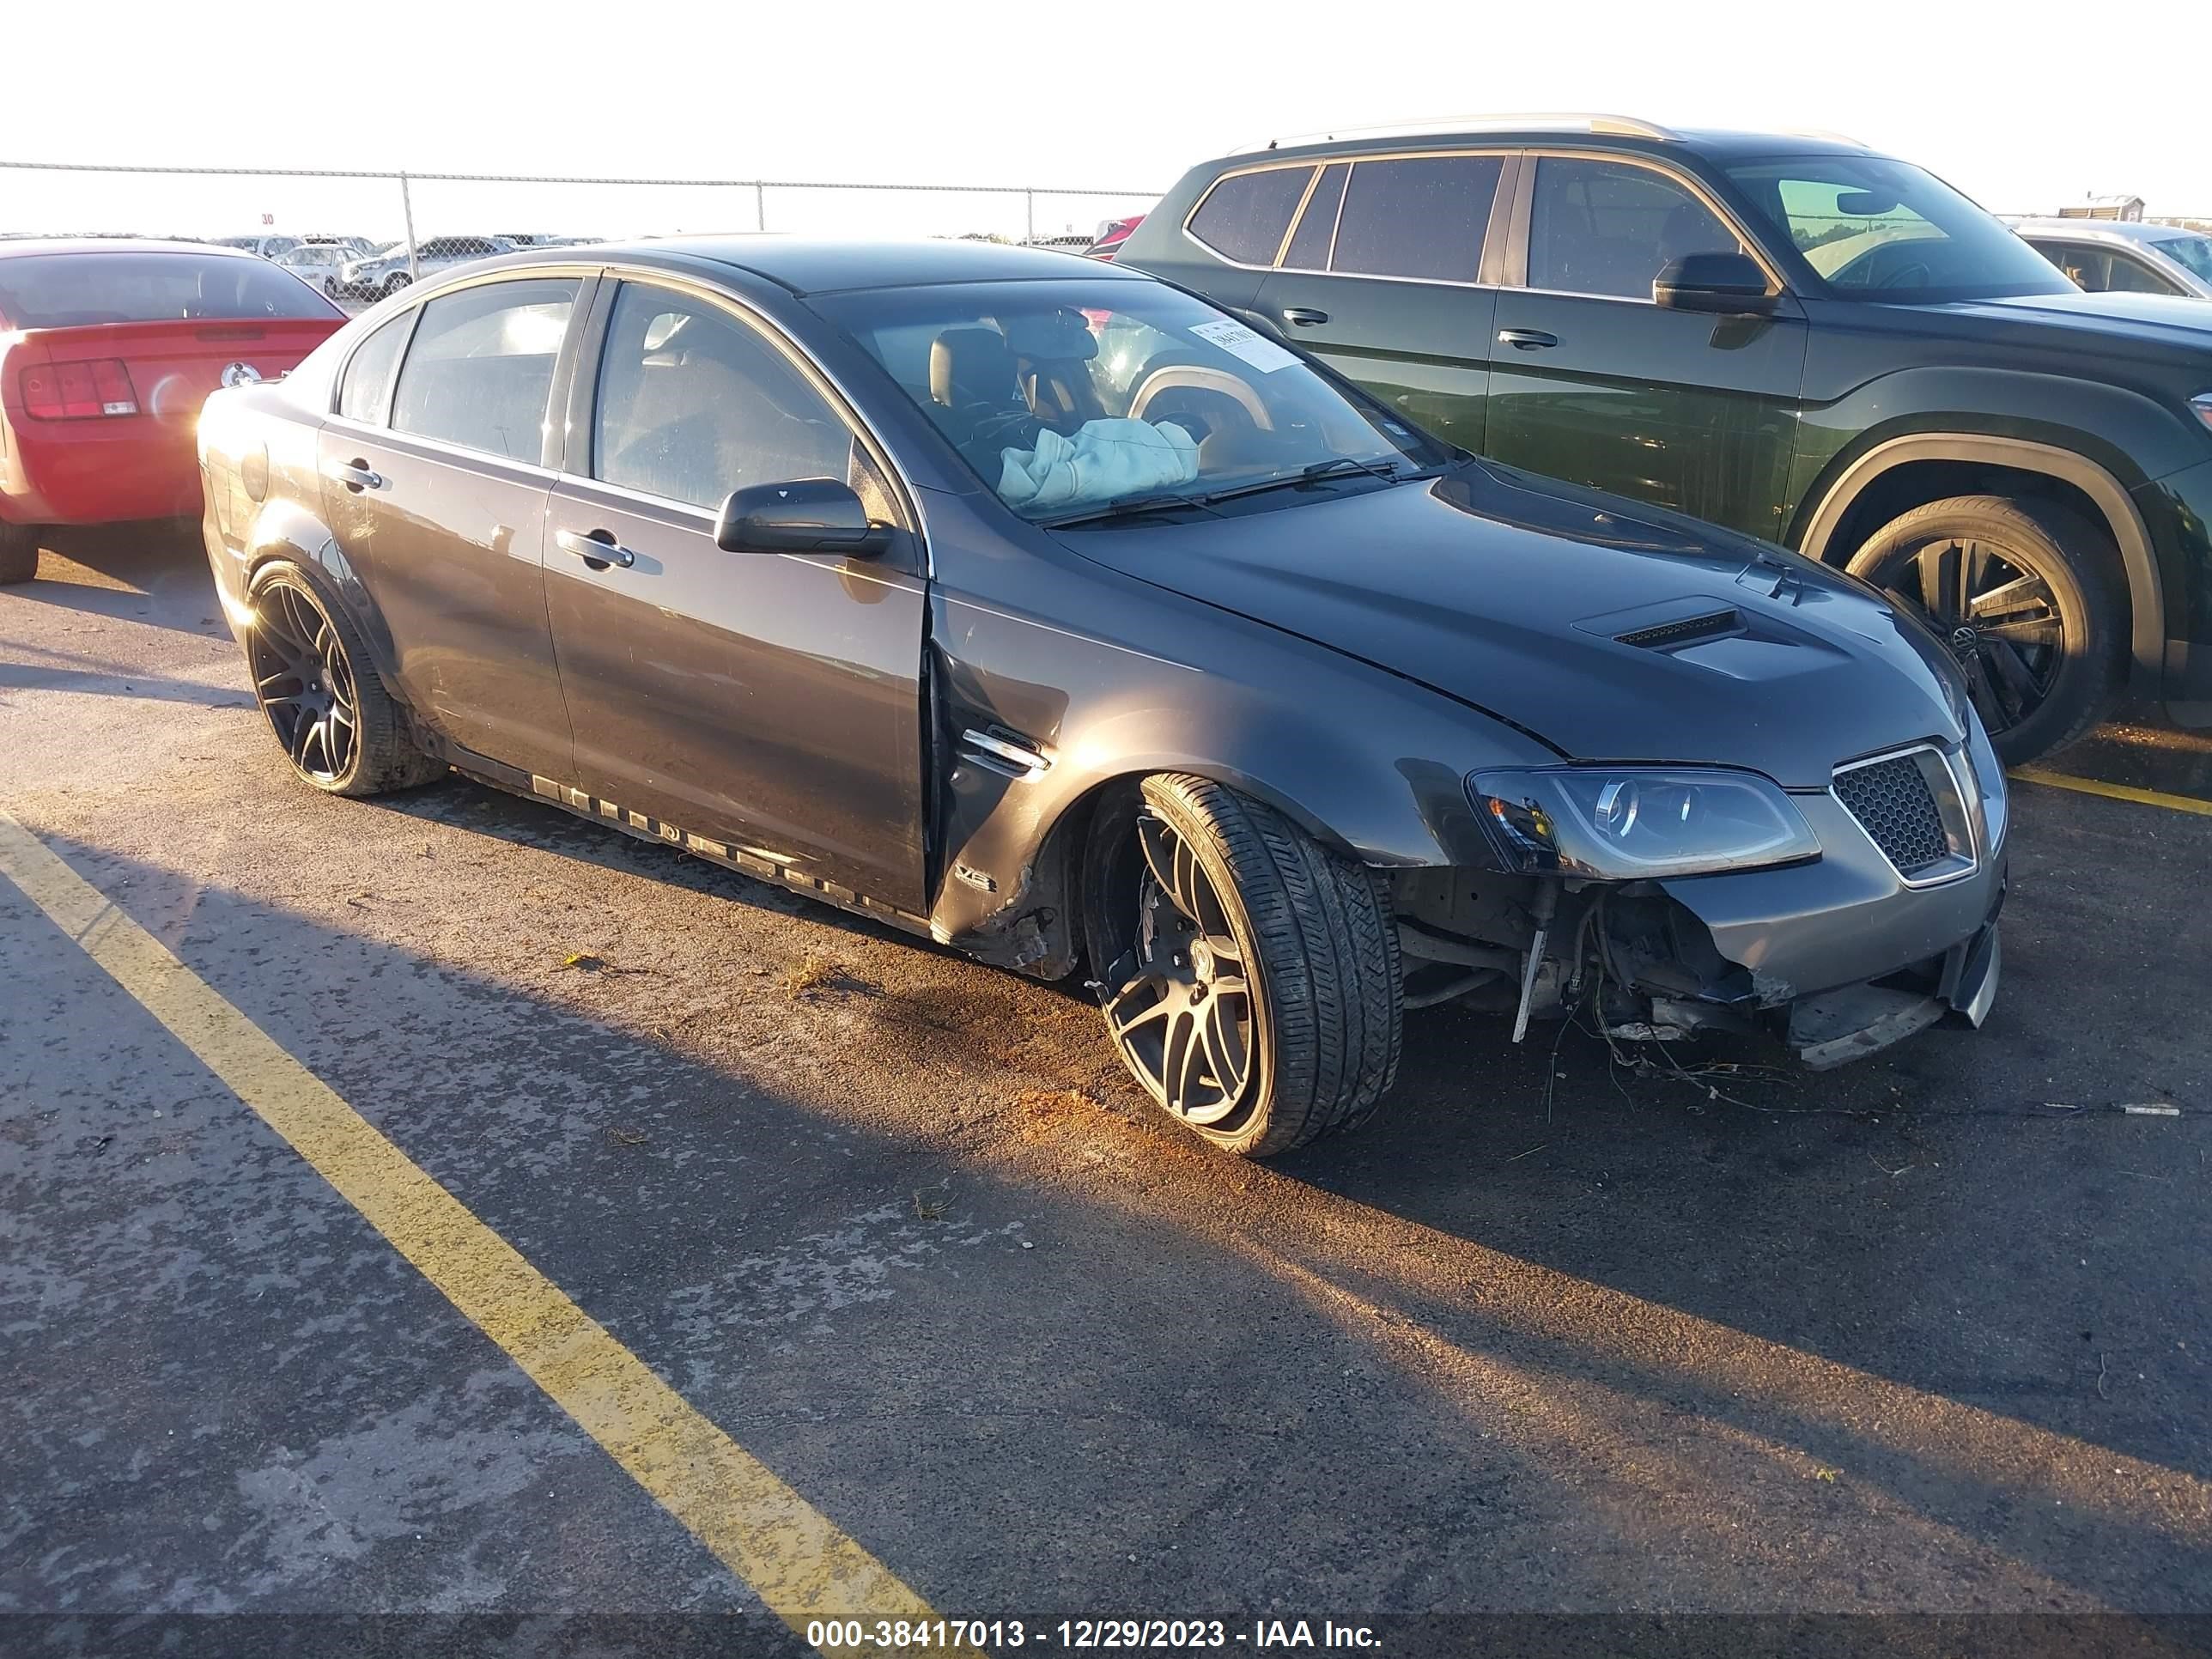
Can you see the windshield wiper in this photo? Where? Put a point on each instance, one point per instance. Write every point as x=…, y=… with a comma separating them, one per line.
x=1337, y=466
x=1136, y=505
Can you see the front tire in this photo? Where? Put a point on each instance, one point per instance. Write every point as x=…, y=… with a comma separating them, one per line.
x=1250, y=977
x=321, y=695
x=2025, y=595
x=19, y=553
x=394, y=283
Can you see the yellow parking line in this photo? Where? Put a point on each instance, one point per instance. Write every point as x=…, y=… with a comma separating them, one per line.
x=797, y=1561
x=2113, y=791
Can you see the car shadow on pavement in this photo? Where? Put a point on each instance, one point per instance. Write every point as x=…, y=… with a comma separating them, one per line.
x=1600, y=1351
x=152, y=573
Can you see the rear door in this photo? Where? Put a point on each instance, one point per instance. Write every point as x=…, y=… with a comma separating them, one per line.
x=1592, y=382
x=435, y=480
x=768, y=702
x=1385, y=279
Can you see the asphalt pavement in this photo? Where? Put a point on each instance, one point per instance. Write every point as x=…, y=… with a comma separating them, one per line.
x=1929, y=1334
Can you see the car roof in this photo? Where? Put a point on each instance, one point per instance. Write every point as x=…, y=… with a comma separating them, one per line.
x=1601, y=131
x=811, y=266
x=2118, y=230
x=26, y=245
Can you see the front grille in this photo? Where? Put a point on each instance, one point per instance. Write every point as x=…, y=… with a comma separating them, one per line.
x=1894, y=806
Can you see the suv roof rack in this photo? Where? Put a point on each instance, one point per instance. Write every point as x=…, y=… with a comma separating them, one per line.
x=1623, y=126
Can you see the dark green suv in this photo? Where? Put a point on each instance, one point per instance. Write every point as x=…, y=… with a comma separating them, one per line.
x=1792, y=337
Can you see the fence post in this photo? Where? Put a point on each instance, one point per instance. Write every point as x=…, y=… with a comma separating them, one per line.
x=407, y=213
x=760, y=205
x=1028, y=210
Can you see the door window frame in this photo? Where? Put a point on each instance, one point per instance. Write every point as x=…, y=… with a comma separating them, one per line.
x=1489, y=266
x=1516, y=262
x=580, y=397
x=558, y=394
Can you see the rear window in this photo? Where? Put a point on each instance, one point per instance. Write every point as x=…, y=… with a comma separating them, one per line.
x=70, y=290
x=1243, y=216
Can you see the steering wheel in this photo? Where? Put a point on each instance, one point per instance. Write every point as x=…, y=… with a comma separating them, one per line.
x=1200, y=378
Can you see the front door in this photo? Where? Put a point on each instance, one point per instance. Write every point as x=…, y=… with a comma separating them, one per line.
x=435, y=487
x=770, y=702
x=1592, y=382
x=1383, y=279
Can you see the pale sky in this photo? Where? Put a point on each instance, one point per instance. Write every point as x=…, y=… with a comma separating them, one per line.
x=2024, y=107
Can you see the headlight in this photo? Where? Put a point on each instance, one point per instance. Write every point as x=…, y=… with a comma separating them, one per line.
x=1636, y=823
x=2200, y=407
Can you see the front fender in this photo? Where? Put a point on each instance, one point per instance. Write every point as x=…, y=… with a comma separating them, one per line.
x=1370, y=764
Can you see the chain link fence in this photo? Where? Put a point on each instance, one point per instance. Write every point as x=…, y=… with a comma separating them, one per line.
x=299, y=214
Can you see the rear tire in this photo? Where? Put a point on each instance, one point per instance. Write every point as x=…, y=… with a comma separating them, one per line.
x=1251, y=976
x=19, y=553
x=319, y=690
x=2027, y=596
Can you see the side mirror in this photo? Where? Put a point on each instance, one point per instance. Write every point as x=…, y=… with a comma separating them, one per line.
x=808, y=516
x=1723, y=284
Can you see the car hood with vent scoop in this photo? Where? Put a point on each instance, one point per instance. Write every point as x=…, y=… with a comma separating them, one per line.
x=1611, y=631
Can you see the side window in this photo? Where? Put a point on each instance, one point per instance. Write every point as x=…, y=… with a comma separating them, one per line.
x=2132, y=276
x=1419, y=216
x=1243, y=216
x=1609, y=228
x=1309, y=249
x=694, y=403
x=365, y=391
x=2083, y=266
x=480, y=371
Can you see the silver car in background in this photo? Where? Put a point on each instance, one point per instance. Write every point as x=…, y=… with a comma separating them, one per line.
x=387, y=273
x=2124, y=256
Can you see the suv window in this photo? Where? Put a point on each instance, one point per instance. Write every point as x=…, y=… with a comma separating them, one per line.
x=1244, y=215
x=1609, y=228
x=1309, y=249
x=1418, y=215
x=480, y=371
x=694, y=403
x=366, y=389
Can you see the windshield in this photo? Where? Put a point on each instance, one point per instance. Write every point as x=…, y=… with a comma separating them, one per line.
x=1067, y=397
x=1878, y=229
x=2194, y=253
x=67, y=290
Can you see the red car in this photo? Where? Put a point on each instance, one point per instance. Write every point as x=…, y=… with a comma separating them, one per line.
x=107, y=350
x=1112, y=232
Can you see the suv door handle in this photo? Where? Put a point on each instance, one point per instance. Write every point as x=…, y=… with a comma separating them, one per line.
x=598, y=549
x=355, y=476
x=1303, y=316
x=1528, y=339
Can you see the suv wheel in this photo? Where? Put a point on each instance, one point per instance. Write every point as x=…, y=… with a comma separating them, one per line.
x=2024, y=595
x=19, y=552
x=394, y=283
x=1250, y=977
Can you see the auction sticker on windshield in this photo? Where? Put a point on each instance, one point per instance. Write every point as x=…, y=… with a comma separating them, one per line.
x=1255, y=348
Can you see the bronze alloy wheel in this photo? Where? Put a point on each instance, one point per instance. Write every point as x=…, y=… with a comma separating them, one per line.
x=1184, y=1017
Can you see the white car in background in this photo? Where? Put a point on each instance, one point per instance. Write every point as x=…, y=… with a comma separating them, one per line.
x=2124, y=256
x=320, y=261
x=387, y=273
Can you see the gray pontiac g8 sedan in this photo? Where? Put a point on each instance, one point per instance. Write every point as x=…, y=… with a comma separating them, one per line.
x=1042, y=608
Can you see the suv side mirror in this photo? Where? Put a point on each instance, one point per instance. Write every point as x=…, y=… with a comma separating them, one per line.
x=1724, y=284
x=808, y=516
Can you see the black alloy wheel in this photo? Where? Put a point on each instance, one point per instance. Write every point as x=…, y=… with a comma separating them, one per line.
x=323, y=700
x=1995, y=613
x=306, y=683
x=2021, y=593
x=1183, y=1017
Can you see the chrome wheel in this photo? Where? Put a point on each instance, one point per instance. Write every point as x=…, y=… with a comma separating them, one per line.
x=1995, y=613
x=1184, y=1014
x=305, y=682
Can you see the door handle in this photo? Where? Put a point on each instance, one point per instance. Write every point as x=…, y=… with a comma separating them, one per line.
x=356, y=476
x=598, y=549
x=1305, y=316
x=1528, y=339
